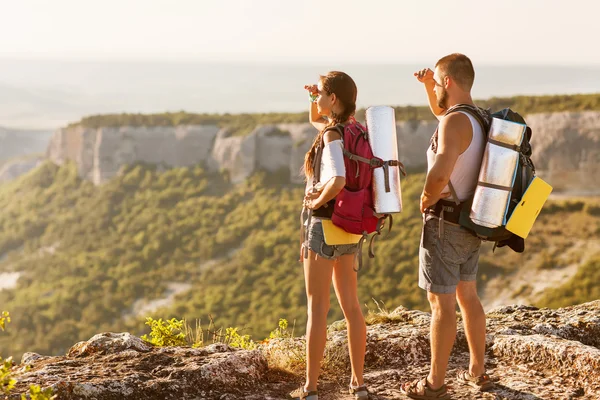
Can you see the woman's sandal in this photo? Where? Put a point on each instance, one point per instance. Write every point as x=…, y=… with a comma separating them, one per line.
x=360, y=393
x=419, y=389
x=300, y=394
x=482, y=382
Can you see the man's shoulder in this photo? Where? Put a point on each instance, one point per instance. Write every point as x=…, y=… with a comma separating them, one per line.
x=456, y=121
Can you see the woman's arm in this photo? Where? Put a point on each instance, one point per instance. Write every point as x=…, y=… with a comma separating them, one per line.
x=315, y=118
x=334, y=185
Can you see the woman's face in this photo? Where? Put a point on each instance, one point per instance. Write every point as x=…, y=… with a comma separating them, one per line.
x=324, y=101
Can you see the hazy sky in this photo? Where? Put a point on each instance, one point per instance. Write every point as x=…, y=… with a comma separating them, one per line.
x=304, y=31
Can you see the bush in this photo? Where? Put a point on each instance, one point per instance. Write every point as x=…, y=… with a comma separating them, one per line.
x=7, y=382
x=165, y=333
x=4, y=319
x=36, y=393
x=592, y=209
x=234, y=339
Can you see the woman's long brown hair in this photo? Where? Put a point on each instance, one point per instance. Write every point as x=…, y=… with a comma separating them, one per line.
x=345, y=90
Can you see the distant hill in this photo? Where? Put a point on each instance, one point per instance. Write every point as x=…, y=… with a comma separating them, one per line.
x=19, y=142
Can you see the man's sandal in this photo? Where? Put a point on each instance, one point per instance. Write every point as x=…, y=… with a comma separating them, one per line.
x=481, y=382
x=300, y=394
x=419, y=389
x=360, y=393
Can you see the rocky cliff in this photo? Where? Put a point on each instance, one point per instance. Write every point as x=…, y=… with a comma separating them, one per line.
x=567, y=148
x=99, y=153
x=531, y=354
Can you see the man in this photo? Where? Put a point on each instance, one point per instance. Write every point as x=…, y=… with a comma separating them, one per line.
x=449, y=254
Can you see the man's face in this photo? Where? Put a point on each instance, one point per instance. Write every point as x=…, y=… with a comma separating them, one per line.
x=439, y=89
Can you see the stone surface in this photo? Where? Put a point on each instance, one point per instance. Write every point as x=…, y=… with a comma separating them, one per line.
x=566, y=145
x=100, y=153
x=567, y=149
x=532, y=354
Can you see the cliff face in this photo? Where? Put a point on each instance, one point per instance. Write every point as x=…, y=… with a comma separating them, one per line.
x=99, y=153
x=566, y=146
x=531, y=354
x=567, y=149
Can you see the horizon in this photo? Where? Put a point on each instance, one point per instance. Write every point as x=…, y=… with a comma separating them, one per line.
x=49, y=94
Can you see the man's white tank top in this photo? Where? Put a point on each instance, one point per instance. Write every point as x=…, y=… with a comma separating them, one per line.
x=466, y=170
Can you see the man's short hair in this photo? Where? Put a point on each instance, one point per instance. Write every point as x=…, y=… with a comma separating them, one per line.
x=458, y=67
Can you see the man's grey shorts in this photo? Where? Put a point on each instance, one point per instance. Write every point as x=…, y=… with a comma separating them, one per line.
x=316, y=242
x=446, y=260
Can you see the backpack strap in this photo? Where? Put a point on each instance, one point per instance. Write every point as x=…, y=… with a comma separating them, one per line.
x=377, y=162
x=476, y=113
x=316, y=178
x=453, y=192
x=358, y=255
x=480, y=115
x=380, y=226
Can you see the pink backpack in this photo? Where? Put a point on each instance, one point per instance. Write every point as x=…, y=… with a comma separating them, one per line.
x=353, y=207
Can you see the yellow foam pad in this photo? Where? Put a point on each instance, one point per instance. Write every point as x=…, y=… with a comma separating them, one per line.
x=334, y=235
x=522, y=219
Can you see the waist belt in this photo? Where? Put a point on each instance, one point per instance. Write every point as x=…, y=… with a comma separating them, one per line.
x=447, y=210
x=325, y=211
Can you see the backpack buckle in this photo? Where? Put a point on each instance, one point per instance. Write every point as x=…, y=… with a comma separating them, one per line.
x=376, y=162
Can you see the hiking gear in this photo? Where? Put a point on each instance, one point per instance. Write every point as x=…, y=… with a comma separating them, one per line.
x=533, y=200
x=419, y=389
x=387, y=193
x=300, y=394
x=353, y=208
x=497, y=173
x=360, y=393
x=335, y=236
x=523, y=174
x=316, y=242
x=482, y=382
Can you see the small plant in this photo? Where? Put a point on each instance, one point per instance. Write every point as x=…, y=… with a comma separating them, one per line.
x=234, y=339
x=36, y=393
x=198, y=336
x=282, y=330
x=166, y=333
x=4, y=319
x=382, y=315
x=194, y=336
x=7, y=383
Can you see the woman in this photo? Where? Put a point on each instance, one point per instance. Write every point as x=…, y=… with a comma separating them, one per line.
x=335, y=103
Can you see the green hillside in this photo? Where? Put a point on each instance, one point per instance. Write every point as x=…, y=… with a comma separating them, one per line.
x=87, y=253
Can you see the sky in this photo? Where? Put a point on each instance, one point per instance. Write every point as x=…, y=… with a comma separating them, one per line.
x=507, y=32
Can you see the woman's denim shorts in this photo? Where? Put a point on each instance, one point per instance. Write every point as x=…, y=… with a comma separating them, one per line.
x=316, y=243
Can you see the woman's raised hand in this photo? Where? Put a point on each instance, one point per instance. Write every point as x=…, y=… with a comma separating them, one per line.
x=312, y=89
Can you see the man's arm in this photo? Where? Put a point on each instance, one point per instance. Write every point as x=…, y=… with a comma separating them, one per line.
x=454, y=135
x=425, y=76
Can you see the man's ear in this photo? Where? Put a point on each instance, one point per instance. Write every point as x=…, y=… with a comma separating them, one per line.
x=447, y=82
